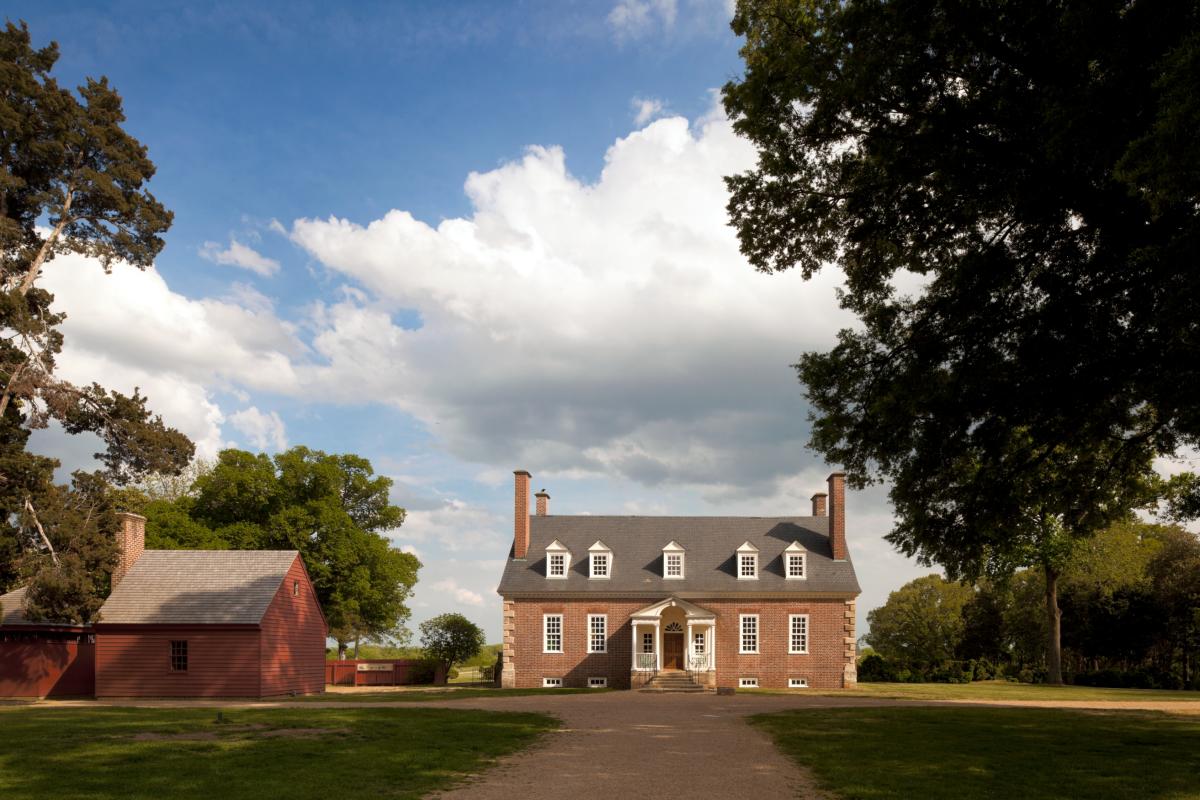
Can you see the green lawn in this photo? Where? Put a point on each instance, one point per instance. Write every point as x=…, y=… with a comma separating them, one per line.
x=1027, y=753
x=420, y=695
x=1002, y=690
x=297, y=753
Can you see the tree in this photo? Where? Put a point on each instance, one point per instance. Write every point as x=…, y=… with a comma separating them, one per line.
x=921, y=622
x=1013, y=200
x=451, y=638
x=331, y=508
x=73, y=181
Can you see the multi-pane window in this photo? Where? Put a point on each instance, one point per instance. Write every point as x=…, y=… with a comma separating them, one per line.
x=674, y=565
x=748, y=683
x=179, y=655
x=698, y=643
x=597, y=683
x=797, y=683
x=798, y=633
x=597, y=633
x=551, y=683
x=647, y=642
x=553, y=633
x=749, y=624
x=556, y=565
x=795, y=565
x=599, y=565
x=747, y=565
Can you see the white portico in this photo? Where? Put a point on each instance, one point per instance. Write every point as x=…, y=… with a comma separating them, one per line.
x=673, y=634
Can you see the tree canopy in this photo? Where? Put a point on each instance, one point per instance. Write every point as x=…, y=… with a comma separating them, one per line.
x=922, y=621
x=73, y=181
x=1011, y=192
x=451, y=638
x=334, y=509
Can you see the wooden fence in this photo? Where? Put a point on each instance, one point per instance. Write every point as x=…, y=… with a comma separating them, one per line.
x=382, y=672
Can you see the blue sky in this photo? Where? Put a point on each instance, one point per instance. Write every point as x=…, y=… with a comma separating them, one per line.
x=458, y=239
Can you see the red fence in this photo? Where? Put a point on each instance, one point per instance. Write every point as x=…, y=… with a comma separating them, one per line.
x=381, y=672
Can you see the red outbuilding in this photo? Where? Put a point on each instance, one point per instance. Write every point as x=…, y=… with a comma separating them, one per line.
x=43, y=659
x=209, y=623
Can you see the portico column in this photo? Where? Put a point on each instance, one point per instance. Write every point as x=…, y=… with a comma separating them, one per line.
x=658, y=645
x=689, y=651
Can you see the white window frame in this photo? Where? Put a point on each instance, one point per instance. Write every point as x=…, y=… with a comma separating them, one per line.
x=592, y=633
x=554, y=550
x=742, y=634
x=551, y=683
x=802, y=557
x=667, y=566
x=597, y=683
x=699, y=642
x=746, y=551
x=647, y=641
x=607, y=559
x=546, y=633
x=556, y=558
x=797, y=683
x=793, y=635
x=747, y=683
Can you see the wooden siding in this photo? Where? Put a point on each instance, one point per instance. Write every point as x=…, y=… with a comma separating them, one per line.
x=54, y=665
x=293, y=638
x=135, y=661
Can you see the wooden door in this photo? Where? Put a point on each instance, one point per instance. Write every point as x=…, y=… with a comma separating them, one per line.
x=672, y=651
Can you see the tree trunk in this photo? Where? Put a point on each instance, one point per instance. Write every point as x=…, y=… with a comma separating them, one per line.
x=1053, y=630
x=342, y=646
x=355, y=647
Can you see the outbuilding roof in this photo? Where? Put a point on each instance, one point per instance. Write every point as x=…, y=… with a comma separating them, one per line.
x=710, y=545
x=10, y=608
x=232, y=587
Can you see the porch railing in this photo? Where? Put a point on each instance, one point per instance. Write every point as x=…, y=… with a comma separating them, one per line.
x=647, y=661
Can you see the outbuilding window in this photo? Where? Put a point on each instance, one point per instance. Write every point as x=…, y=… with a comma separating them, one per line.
x=179, y=655
x=295, y=588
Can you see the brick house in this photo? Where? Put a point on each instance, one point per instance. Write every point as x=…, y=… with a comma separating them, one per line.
x=631, y=601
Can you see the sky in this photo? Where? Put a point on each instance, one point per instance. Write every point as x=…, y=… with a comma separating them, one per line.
x=459, y=240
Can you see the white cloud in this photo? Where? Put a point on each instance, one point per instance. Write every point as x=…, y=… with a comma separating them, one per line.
x=265, y=431
x=612, y=328
x=460, y=594
x=646, y=109
x=240, y=255
x=635, y=18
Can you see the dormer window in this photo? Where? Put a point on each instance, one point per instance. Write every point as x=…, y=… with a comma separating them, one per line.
x=599, y=561
x=558, y=560
x=747, y=562
x=795, y=562
x=673, y=561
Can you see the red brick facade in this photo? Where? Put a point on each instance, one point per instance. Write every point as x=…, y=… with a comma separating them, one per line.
x=830, y=642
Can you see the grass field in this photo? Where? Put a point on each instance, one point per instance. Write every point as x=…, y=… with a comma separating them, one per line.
x=296, y=753
x=422, y=694
x=1028, y=753
x=1002, y=690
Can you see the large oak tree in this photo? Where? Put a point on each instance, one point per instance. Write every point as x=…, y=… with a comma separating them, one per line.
x=1012, y=190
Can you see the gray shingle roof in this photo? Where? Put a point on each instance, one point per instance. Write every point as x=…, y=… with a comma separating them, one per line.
x=10, y=608
x=198, y=587
x=709, y=544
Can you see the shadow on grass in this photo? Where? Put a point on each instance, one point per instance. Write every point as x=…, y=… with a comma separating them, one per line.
x=1032, y=754
x=403, y=753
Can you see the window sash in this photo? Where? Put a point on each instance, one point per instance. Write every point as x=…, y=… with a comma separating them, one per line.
x=599, y=565
x=557, y=565
x=698, y=643
x=747, y=565
x=796, y=565
x=597, y=633
x=674, y=564
x=179, y=655
x=552, y=630
x=749, y=630
x=798, y=633
x=647, y=642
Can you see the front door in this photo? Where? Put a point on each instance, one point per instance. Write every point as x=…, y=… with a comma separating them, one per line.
x=672, y=651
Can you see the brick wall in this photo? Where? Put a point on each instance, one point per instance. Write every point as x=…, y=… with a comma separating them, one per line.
x=828, y=664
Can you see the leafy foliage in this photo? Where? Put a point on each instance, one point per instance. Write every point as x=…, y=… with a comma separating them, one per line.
x=451, y=638
x=73, y=181
x=1013, y=201
x=922, y=621
x=331, y=508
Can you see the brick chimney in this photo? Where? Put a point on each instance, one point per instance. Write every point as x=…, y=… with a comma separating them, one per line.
x=521, y=514
x=837, y=515
x=131, y=542
x=543, y=503
x=818, y=501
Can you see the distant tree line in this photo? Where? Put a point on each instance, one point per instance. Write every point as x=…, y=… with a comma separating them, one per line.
x=1130, y=602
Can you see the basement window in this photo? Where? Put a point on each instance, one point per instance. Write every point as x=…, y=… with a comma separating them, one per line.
x=551, y=683
x=179, y=653
x=748, y=683
x=797, y=683
x=597, y=683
